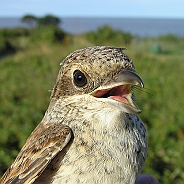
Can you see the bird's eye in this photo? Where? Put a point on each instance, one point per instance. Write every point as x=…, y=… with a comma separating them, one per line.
x=79, y=78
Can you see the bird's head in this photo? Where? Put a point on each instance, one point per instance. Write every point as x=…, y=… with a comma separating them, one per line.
x=103, y=73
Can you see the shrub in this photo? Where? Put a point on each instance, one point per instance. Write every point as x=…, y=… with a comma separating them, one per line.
x=106, y=35
x=50, y=34
x=48, y=20
x=13, y=33
x=31, y=20
x=169, y=37
x=6, y=47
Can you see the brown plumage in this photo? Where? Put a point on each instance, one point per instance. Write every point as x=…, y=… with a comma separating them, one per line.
x=91, y=132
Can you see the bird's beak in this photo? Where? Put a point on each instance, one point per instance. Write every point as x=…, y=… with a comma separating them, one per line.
x=118, y=93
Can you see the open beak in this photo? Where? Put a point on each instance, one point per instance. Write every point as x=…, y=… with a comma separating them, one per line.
x=119, y=92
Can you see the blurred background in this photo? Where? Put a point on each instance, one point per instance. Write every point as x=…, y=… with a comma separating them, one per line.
x=35, y=36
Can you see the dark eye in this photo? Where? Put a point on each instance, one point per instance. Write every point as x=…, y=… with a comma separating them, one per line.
x=79, y=78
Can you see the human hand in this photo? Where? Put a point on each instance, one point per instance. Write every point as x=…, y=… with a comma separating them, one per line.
x=146, y=179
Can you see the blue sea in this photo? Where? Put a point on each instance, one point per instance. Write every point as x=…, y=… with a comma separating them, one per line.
x=145, y=27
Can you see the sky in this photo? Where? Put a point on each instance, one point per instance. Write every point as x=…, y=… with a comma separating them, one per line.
x=94, y=8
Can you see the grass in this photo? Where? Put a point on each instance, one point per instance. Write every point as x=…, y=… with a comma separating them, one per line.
x=28, y=74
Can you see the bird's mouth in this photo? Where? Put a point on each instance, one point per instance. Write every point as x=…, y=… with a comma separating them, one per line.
x=119, y=93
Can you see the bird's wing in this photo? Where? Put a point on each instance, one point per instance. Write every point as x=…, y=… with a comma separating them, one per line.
x=45, y=142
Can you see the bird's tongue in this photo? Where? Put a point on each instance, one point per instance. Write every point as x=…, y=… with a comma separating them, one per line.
x=119, y=99
x=118, y=93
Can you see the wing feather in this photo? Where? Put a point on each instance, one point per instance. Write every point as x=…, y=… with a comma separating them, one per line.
x=45, y=142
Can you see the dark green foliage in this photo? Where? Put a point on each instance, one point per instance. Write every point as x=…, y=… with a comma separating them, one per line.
x=107, y=35
x=6, y=47
x=21, y=109
x=7, y=38
x=169, y=37
x=48, y=20
x=50, y=34
x=30, y=20
x=15, y=39
x=13, y=33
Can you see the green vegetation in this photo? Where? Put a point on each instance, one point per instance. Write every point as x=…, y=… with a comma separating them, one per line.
x=48, y=20
x=107, y=35
x=29, y=62
x=33, y=21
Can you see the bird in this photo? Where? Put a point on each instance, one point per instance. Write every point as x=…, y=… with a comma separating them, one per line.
x=91, y=131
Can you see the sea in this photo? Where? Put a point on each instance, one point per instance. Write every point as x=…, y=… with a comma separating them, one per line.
x=144, y=27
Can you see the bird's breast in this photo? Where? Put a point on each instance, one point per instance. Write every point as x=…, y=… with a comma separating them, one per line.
x=107, y=148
